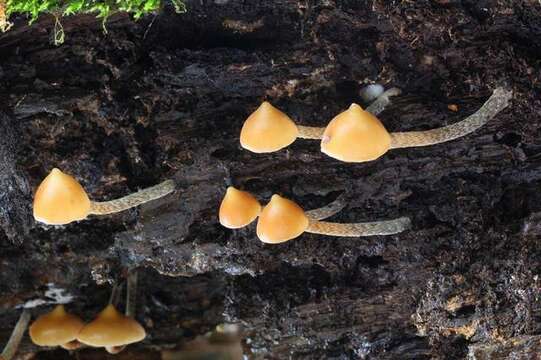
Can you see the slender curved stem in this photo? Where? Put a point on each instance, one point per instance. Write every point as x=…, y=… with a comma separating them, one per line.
x=115, y=292
x=496, y=103
x=16, y=336
x=316, y=133
x=382, y=101
x=328, y=210
x=388, y=227
x=132, y=200
x=131, y=294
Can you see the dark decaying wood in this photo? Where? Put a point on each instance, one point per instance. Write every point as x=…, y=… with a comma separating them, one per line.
x=165, y=97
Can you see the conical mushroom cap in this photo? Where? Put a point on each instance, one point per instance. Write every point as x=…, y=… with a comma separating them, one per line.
x=55, y=328
x=238, y=208
x=355, y=135
x=281, y=220
x=60, y=199
x=267, y=130
x=111, y=328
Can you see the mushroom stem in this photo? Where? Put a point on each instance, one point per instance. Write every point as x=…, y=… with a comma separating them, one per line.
x=388, y=227
x=316, y=133
x=132, y=200
x=382, y=101
x=496, y=103
x=115, y=292
x=16, y=336
x=131, y=294
x=113, y=350
x=310, y=132
x=328, y=210
x=131, y=300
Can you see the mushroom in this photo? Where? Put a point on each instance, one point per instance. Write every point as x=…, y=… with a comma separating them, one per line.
x=60, y=199
x=131, y=302
x=268, y=129
x=282, y=220
x=356, y=135
x=57, y=328
x=16, y=336
x=111, y=329
x=239, y=208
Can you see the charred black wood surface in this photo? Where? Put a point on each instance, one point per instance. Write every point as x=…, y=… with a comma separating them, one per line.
x=166, y=97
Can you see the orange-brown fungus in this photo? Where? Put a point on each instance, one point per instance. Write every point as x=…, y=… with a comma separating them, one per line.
x=355, y=135
x=267, y=129
x=55, y=328
x=111, y=328
x=238, y=208
x=281, y=220
x=60, y=199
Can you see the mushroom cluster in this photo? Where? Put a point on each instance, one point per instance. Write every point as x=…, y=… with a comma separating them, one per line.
x=110, y=329
x=282, y=220
x=60, y=199
x=357, y=135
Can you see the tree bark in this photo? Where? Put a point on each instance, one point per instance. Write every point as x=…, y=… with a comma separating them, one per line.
x=166, y=97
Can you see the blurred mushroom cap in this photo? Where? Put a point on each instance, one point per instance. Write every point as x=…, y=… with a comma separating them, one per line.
x=55, y=328
x=111, y=328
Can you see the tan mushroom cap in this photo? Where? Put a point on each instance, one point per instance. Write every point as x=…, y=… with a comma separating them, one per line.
x=55, y=328
x=281, y=220
x=111, y=328
x=238, y=208
x=355, y=135
x=60, y=199
x=267, y=129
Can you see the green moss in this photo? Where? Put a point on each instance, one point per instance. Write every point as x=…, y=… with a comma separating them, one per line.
x=102, y=8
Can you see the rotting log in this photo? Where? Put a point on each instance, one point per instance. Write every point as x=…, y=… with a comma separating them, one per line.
x=166, y=97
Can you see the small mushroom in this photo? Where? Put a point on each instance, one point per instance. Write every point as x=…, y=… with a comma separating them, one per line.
x=16, y=336
x=111, y=329
x=131, y=303
x=60, y=199
x=57, y=328
x=356, y=135
x=238, y=208
x=282, y=220
x=267, y=130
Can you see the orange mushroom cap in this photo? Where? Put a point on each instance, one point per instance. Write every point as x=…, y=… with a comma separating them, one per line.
x=355, y=135
x=111, y=328
x=281, y=220
x=238, y=208
x=267, y=129
x=60, y=199
x=55, y=328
